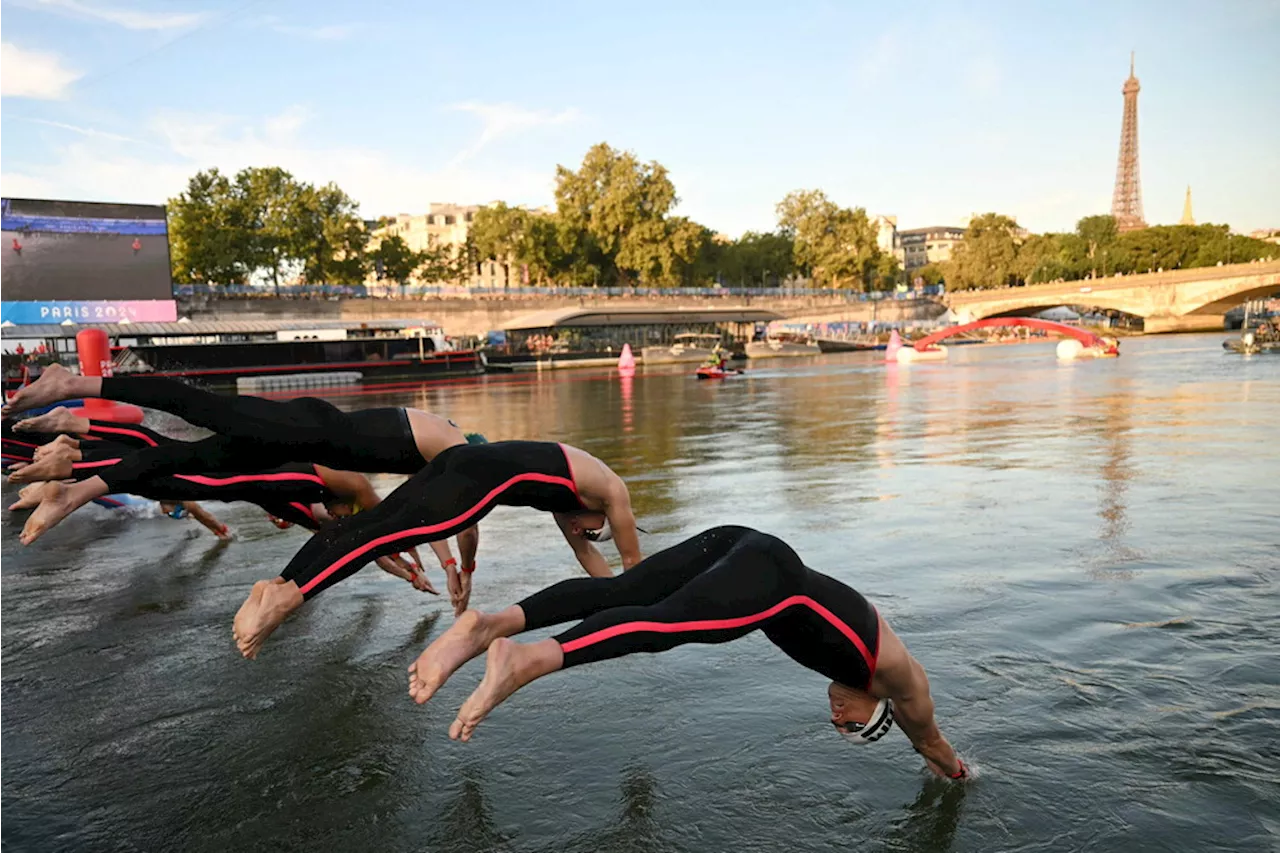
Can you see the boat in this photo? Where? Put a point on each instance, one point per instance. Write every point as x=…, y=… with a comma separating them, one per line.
x=218, y=353
x=685, y=347
x=1253, y=343
x=856, y=344
x=783, y=344
x=715, y=371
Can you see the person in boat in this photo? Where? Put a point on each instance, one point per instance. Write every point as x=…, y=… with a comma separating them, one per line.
x=715, y=587
x=251, y=434
x=589, y=502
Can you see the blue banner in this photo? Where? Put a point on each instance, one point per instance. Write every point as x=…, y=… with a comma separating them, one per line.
x=82, y=225
x=88, y=313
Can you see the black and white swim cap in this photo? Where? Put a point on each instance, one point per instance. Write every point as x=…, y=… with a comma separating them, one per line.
x=876, y=727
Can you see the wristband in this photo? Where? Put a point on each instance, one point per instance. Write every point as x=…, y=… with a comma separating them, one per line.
x=962, y=773
x=222, y=531
x=469, y=569
x=449, y=562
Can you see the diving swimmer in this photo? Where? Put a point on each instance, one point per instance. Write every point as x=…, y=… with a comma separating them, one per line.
x=460, y=486
x=252, y=434
x=715, y=587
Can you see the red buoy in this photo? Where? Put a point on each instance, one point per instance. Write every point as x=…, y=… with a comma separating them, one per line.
x=95, y=360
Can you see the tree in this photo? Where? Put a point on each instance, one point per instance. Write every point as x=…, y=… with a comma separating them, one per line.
x=329, y=237
x=1040, y=259
x=208, y=238
x=613, y=223
x=758, y=258
x=835, y=245
x=273, y=202
x=395, y=261
x=988, y=255
x=930, y=273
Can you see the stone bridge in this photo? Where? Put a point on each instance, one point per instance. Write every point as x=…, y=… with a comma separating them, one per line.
x=1173, y=301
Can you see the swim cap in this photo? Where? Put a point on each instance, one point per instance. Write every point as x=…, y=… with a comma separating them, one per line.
x=476, y=438
x=873, y=729
x=178, y=512
x=604, y=534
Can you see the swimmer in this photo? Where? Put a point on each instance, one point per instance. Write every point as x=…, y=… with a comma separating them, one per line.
x=253, y=434
x=718, y=586
x=461, y=485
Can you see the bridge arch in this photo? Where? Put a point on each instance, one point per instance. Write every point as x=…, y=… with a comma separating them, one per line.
x=1089, y=339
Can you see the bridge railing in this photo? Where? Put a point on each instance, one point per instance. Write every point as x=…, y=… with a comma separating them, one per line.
x=360, y=291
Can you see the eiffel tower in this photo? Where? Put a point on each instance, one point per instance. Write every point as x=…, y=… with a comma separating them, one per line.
x=1126, y=201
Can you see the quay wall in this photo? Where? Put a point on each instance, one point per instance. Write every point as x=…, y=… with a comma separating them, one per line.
x=477, y=316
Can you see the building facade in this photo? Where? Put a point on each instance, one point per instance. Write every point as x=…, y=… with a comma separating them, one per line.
x=920, y=246
x=446, y=225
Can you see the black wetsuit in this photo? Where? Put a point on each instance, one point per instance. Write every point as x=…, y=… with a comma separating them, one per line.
x=720, y=585
x=255, y=434
x=286, y=491
x=460, y=487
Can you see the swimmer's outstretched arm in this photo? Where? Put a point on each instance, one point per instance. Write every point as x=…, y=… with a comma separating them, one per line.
x=208, y=519
x=903, y=679
x=589, y=557
x=622, y=520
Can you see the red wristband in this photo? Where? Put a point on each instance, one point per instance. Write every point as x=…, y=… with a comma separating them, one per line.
x=469, y=569
x=449, y=562
x=962, y=773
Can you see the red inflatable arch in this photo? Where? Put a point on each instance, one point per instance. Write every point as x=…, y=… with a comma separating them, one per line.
x=1089, y=339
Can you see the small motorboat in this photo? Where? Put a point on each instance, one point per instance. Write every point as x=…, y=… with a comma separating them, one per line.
x=1252, y=343
x=715, y=371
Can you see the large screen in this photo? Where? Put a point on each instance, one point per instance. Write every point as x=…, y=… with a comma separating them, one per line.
x=57, y=251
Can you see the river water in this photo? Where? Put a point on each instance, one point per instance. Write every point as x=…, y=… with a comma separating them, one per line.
x=1084, y=556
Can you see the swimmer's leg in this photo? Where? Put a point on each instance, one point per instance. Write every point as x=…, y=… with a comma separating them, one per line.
x=746, y=590
x=216, y=453
x=649, y=582
x=59, y=502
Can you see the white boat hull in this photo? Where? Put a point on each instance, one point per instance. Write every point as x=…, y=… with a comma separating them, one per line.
x=780, y=349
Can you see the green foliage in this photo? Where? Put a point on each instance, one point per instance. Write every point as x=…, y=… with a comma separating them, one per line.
x=395, y=261
x=208, y=238
x=988, y=255
x=264, y=222
x=930, y=273
x=757, y=259
x=836, y=246
x=613, y=224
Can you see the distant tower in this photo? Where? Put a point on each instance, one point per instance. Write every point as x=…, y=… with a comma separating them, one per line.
x=1187, y=218
x=1126, y=202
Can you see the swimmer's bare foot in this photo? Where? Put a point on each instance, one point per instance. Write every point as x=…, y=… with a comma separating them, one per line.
x=467, y=638
x=30, y=496
x=51, y=466
x=61, y=444
x=60, y=419
x=510, y=666
x=56, y=383
x=267, y=606
x=57, y=504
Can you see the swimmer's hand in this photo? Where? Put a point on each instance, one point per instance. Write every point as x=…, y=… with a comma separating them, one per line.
x=398, y=566
x=459, y=587
x=226, y=534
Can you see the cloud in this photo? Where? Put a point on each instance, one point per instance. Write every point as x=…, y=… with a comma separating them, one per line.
x=72, y=128
x=33, y=74
x=104, y=169
x=322, y=32
x=499, y=120
x=127, y=18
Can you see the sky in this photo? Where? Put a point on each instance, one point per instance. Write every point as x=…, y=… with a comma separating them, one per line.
x=926, y=111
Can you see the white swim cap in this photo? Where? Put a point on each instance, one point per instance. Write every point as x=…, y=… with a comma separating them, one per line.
x=876, y=727
x=604, y=534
